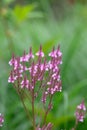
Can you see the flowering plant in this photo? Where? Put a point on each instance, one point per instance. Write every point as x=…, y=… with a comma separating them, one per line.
x=79, y=114
x=33, y=78
x=39, y=79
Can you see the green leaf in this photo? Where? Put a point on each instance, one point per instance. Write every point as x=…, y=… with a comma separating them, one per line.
x=21, y=12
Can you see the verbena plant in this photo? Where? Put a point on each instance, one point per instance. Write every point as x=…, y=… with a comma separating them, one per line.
x=39, y=79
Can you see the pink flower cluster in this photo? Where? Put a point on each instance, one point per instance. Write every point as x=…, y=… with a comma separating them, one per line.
x=1, y=120
x=80, y=112
x=27, y=71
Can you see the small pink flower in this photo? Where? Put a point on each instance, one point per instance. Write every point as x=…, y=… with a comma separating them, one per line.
x=25, y=83
x=80, y=116
x=58, y=52
x=11, y=78
x=13, y=61
x=53, y=53
x=81, y=106
x=80, y=112
x=24, y=58
x=30, y=54
x=23, y=68
x=33, y=69
x=1, y=120
x=40, y=53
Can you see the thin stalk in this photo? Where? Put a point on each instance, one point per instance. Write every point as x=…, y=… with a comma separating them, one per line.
x=46, y=113
x=21, y=97
x=33, y=112
x=76, y=123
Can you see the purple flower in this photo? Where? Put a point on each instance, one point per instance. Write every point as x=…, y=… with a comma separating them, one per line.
x=30, y=54
x=1, y=120
x=24, y=83
x=12, y=78
x=13, y=61
x=80, y=112
x=81, y=106
x=53, y=53
x=40, y=53
x=24, y=58
x=47, y=73
x=27, y=57
x=37, y=77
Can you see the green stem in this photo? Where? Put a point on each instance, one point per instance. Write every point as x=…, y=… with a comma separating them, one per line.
x=46, y=113
x=33, y=113
x=75, y=126
x=22, y=100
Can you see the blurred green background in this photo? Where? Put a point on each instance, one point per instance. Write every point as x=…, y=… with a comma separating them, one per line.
x=25, y=23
